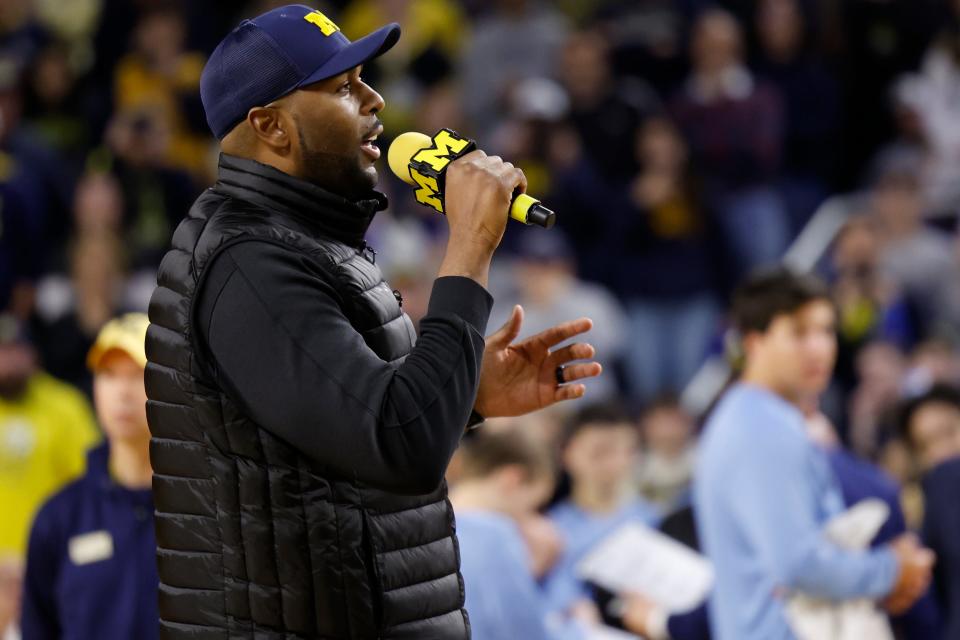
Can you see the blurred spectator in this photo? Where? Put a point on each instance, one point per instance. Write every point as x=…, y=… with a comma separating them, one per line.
x=661, y=228
x=932, y=362
x=603, y=106
x=735, y=126
x=54, y=106
x=160, y=76
x=11, y=585
x=434, y=32
x=880, y=369
x=504, y=478
x=72, y=23
x=930, y=425
x=600, y=451
x=868, y=303
x=21, y=36
x=546, y=428
x=440, y=105
x=51, y=105
x=908, y=144
x=544, y=542
x=91, y=567
x=72, y=308
x=546, y=286
x=763, y=493
x=912, y=255
x=665, y=470
x=42, y=181
x=98, y=206
x=642, y=616
x=155, y=197
x=20, y=264
x=858, y=480
x=918, y=145
x=514, y=41
x=45, y=428
x=648, y=37
x=811, y=101
x=647, y=238
x=873, y=43
x=930, y=95
x=537, y=108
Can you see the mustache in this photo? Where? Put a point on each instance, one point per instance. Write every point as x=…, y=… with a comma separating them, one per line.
x=376, y=125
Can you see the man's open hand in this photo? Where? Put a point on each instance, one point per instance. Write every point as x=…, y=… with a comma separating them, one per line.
x=519, y=378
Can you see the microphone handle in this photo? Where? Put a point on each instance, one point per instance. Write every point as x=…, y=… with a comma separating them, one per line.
x=530, y=211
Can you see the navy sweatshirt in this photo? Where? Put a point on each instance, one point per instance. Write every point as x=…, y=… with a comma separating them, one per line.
x=91, y=567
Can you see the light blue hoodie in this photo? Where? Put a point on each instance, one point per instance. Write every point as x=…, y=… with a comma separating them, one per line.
x=762, y=494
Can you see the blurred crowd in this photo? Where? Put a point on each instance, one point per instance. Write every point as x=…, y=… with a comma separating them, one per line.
x=683, y=144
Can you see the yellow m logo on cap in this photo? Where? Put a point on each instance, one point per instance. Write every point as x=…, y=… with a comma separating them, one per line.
x=325, y=24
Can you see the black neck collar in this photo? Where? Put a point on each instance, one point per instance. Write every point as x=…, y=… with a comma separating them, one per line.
x=321, y=211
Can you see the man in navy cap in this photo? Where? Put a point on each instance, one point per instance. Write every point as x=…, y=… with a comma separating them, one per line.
x=300, y=439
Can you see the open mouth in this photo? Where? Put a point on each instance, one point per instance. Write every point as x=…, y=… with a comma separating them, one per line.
x=369, y=146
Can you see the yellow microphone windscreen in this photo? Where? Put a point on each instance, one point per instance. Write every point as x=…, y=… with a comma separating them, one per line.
x=402, y=150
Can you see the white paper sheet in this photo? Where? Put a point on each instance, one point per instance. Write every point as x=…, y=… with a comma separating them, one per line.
x=637, y=558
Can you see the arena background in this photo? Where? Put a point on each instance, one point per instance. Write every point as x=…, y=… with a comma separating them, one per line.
x=682, y=143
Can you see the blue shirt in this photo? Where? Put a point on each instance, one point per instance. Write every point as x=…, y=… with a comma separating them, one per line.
x=762, y=494
x=91, y=562
x=581, y=532
x=502, y=598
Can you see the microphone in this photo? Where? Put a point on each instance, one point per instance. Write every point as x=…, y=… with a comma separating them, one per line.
x=421, y=161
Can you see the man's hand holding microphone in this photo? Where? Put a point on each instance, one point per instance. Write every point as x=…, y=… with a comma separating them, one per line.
x=479, y=193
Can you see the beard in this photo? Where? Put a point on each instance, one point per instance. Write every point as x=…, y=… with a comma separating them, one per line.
x=338, y=173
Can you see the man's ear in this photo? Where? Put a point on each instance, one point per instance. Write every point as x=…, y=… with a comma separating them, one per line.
x=272, y=127
x=750, y=341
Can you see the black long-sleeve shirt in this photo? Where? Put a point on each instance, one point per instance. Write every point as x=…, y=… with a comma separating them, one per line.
x=290, y=358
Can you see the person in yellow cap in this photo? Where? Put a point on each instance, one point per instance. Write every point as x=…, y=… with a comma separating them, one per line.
x=91, y=570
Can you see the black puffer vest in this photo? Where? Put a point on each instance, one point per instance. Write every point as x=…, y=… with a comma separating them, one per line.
x=253, y=540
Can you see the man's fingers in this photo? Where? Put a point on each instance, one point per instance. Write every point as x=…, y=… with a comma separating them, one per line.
x=569, y=392
x=578, y=351
x=518, y=179
x=510, y=329
x=580, y=371
x=562, y=332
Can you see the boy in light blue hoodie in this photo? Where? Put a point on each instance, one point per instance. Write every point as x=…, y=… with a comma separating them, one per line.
x=763, y=492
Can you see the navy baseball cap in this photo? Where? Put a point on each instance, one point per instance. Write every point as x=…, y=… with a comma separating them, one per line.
x=266, y=58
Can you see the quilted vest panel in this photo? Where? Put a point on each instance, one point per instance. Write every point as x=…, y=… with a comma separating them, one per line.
x=254, y=540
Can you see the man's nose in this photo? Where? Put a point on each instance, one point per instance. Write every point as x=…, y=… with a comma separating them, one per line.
x=373, y=101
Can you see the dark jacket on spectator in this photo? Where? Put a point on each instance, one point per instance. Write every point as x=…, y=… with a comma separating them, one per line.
x=941, y=529
x=299, y=438
x=91, y=568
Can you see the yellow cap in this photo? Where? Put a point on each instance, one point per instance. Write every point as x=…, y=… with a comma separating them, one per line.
x=126, y=333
